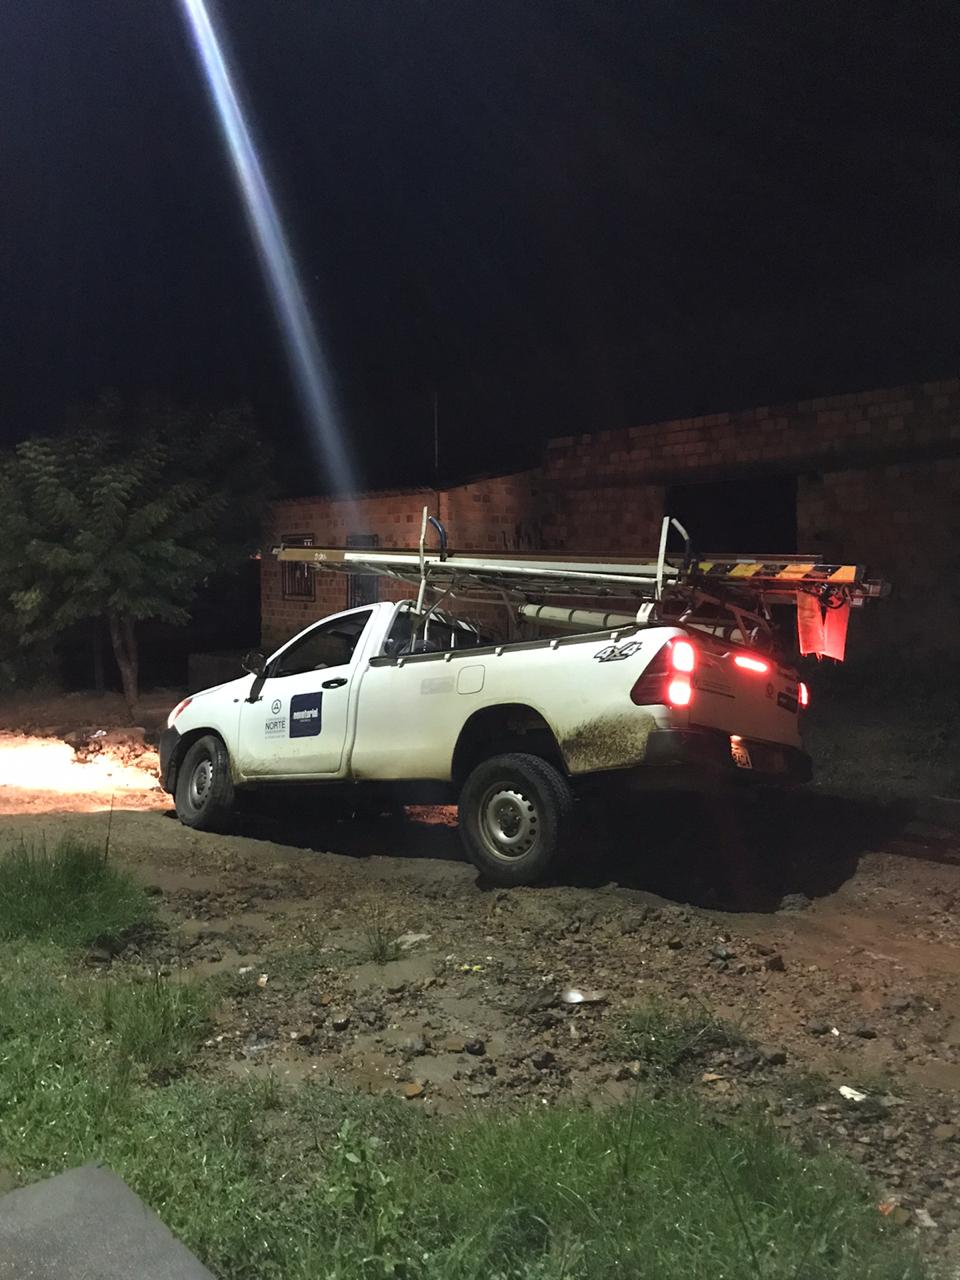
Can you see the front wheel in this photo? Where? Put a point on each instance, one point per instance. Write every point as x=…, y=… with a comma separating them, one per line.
x=204, y=793
x=515, y=811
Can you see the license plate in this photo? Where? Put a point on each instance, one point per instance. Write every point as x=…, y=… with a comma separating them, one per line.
x=741, y=756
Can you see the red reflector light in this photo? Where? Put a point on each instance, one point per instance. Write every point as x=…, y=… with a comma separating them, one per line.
x=684, y=656
x=803, y=694
x=181, y=706
x=751, y=664
x=679, y=692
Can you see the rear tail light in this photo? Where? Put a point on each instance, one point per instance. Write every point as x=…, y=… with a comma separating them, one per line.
x=803, y=694
x=669, y=677
x=683, y=656
x=679, y=692
x=751, y=664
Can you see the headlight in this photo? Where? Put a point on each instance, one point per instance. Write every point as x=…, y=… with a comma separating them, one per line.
x=181, y=706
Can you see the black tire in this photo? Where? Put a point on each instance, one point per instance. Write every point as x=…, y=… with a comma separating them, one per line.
x=204, y=795
x=515, y=814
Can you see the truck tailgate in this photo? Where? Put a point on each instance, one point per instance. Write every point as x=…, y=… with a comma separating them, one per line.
x=747, y=694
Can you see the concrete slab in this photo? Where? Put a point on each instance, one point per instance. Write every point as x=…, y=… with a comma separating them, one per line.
x=87, y=1224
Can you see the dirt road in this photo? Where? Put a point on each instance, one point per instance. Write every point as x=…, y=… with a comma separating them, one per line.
x=823, y=931
x=365, y=951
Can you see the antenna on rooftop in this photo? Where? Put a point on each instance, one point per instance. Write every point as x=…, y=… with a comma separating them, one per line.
x=436, y=438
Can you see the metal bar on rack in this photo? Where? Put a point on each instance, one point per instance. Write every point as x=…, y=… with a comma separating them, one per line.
x=662, y=554
x=423, y=569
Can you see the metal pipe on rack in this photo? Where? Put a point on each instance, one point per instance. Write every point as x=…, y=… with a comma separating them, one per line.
x=575, y=619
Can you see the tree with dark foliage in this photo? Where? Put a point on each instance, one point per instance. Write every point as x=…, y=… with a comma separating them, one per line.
x=123, y=517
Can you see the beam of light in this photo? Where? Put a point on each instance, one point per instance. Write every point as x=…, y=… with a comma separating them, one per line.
x=309, y=365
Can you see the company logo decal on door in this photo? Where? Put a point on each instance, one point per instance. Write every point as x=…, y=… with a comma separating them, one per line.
x=305, y=718
x=276, y=725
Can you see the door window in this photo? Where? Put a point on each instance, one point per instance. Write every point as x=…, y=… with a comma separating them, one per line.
x=331, y=644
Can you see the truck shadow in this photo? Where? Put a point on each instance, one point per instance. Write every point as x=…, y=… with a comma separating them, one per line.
x=735, y=852
x=745, y=851
x=315, y=821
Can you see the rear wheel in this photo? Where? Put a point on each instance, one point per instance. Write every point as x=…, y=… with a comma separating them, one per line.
x=515, y=811
x=204, y=795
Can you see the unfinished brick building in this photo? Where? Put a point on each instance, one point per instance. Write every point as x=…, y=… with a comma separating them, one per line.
x=872, y=476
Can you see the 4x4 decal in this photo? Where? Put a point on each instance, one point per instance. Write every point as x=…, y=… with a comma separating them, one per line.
x=618, y=653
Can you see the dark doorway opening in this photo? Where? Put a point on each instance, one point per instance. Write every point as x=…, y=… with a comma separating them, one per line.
x=751, y=516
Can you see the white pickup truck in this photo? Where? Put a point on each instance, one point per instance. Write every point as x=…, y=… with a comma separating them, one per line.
x=407, y=694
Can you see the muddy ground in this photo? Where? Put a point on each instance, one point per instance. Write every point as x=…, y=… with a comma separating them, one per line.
x=365, y=951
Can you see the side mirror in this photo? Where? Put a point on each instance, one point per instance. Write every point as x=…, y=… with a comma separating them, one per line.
x=254, y=662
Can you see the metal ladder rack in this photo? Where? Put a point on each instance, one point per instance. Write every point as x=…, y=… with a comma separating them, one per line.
x=670, y=586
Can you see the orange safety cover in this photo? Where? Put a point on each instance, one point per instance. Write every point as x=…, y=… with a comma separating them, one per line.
x=810, y=631
x=835, y=631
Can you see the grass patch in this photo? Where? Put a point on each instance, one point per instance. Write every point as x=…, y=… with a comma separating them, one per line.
x=381, y=947
x=807, y=1087
x=264, y=1181
x=299, y=962
x=229, y=984
x=71, y=895
x=664, y=1036
x=155, y=1024
x=63, y=1033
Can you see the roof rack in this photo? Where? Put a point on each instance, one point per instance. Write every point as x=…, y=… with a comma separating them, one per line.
x=670, y=585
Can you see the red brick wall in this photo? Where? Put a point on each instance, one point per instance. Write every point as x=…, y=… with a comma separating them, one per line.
x=877, y=483
x=902, y=520
x=504, y=513
x=393, y=517
x=828, y=431
x=498, y=513
x=613, y=520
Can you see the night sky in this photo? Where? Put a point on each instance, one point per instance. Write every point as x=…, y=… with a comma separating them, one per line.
x=562, y=216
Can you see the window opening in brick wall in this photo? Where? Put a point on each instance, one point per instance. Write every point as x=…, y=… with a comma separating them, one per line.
x=362, y=588
x=743, y=514
x=299, y=581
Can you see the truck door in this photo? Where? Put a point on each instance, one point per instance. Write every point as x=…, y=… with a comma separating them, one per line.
x=299, y=722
